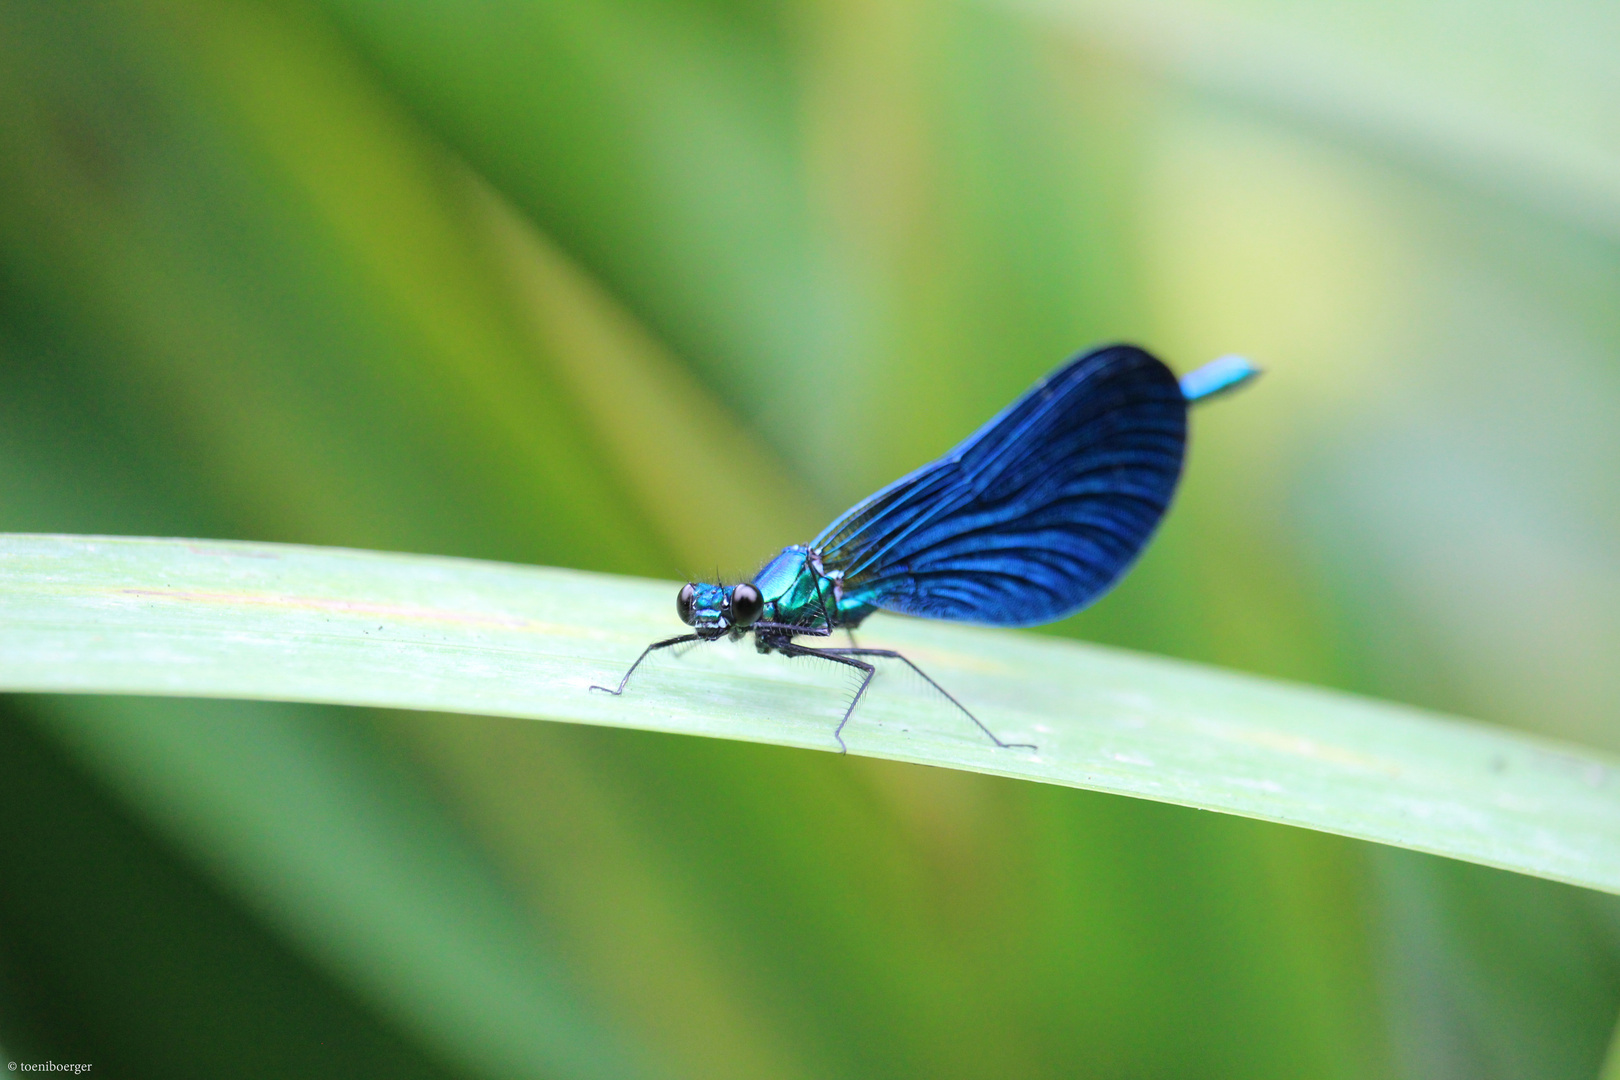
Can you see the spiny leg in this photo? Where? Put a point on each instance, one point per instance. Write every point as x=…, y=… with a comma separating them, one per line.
x=867, y=671
x=654, y=647
x=948, y=697
x=793, y=628
x=826, y=609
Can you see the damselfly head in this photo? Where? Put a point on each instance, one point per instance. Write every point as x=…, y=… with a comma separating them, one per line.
x=713, y=610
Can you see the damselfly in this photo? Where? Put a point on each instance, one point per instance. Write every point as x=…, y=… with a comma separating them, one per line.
x=1029, y=519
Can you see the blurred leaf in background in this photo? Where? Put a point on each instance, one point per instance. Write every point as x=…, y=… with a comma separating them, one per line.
x=654, y=288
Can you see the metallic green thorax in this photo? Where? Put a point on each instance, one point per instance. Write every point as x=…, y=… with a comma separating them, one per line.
x=799, y=591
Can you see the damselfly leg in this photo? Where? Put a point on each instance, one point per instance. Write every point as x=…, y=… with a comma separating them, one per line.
x=848, y=656
x=648, y=651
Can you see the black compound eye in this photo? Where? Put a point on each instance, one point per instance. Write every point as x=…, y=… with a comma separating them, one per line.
x=746, y=605
x=683, y=604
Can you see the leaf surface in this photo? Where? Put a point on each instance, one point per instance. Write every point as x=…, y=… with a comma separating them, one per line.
x=277, y=622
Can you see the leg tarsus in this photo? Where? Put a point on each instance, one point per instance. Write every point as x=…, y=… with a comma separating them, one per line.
x=866, y=670
x=890, y=653
x=654, y=647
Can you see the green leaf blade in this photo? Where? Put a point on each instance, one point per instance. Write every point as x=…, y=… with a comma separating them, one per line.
x=279, y=622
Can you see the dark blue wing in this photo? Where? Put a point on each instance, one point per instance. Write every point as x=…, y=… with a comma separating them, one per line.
x=1035, y=514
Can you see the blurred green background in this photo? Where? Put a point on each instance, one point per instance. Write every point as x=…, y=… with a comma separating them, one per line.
x=655, y=288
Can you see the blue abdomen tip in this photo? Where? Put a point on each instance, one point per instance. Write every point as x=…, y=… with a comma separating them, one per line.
x=1216, y=377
